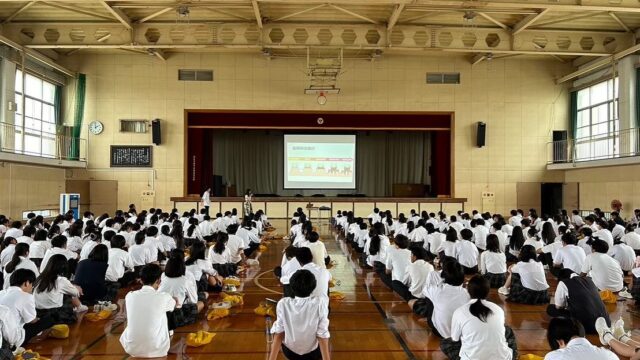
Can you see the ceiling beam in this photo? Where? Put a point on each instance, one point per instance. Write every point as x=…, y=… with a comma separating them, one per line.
x=483, y=6
x=256, y=12
x=490, y=18
x=36, y=56
x=118, y=14
x=477, y=59
x=299, y=12
x=19, y=11
x=423, y=16
x=354, y=14
x=395, y=15
x=569, y=18
x=75, y=9
x=154, y=15
x=528, y=21
x=599, y=64
x=227, y=13
x=619, y=21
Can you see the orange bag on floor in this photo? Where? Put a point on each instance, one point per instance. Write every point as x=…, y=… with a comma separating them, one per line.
x=608, y=297
x=101, y=315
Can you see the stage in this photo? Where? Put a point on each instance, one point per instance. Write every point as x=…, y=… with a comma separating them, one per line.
x=284, y=207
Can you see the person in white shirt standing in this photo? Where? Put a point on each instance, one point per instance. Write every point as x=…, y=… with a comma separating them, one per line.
x=566, y=339
x=477, y=328
x=206, y=200
x=301, y=329
x=147, y=331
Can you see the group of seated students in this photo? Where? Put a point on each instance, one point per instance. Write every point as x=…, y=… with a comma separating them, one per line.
x=53, y=271
x=424, y=259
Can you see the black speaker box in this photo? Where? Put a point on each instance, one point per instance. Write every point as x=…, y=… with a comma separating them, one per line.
x=156, y=134
x=218, y=186
x=481, y=134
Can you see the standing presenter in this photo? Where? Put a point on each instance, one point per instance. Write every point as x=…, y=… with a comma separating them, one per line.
x=246, y=206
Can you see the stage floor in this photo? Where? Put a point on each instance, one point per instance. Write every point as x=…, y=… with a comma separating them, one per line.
x=371, y=323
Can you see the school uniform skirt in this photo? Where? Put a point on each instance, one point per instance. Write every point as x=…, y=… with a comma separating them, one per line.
x=452, y=348
x=470, y=270
x=520, y=294
x=61, y=315
x=226, y=270
x=112, y=290
x=495, y=280
x=203, y=285
x=186, y=315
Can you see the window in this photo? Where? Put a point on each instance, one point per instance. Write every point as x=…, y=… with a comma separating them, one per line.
x=598, y=125
x=35, y=132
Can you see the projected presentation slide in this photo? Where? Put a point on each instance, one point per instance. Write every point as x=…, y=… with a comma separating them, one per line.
x=320, y=161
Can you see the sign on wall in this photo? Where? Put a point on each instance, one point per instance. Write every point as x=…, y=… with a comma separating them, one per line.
x=131, y=156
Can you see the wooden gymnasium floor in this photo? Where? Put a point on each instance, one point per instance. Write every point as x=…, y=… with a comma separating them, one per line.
x=371, y=323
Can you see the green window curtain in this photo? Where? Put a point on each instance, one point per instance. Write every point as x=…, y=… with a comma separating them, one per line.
x=78, y=114
x=573, y=114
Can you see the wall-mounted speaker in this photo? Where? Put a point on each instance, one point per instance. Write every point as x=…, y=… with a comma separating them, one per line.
x=481, y=134
x=156, y=134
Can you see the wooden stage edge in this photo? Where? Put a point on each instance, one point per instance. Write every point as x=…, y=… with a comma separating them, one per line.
x=284, y=206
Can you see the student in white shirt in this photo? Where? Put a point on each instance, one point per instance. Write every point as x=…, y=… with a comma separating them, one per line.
x=570, y=256
x=121, y=268
x=55, y=295
x=206, y=228
x=603, y=269
x=441, y=300
x=59, y=247
x=249, y=235
x=516, y=241
x=553, y=243
x=147, y=332
x=235, y=245
x=220, y=256
x=632, y=238
x=322, y=275
x=157, y=250
x=15, y=231
x=19, y=260
x=141, y=254
x=192, y=231
x=398, y=259
x=416, y=276
x=450, y=246
x=318, y=250
x=493, y=263
x=515, y=219
x=566, y=339
x=374, y=217
x=181, y=285
x=480, y=233
x=27, y=234
x=301, y=328
x=41, y=243
x=576, y=219
x=376, y=249
x=585, y=239
x=165, y=238
x=8, y=248
x=289, y=266
x=623, y=254
x=201, y=269
x=74, y=238
x=603, y=232
x=617, y=230
x=496, y=228
x=477, y=328
x=467, y=253
x=526, y=283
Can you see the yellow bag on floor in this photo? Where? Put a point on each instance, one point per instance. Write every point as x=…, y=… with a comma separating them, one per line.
x=608, y=297
x=101, y=315
x=265, y=310
x=231, y=281
x=336, y=295
x=232, y=299
x=217, y=314
x=531, y=357
x=30, y=355
x=332, y=283
x=199, y=338
x=262, y=248
x=60, y=331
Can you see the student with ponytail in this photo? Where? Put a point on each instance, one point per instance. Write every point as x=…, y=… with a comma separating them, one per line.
x=220, y=256
x=20, y=260
x=476, y=328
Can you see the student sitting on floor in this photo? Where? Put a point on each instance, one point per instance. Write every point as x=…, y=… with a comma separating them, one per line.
x=319, y=251
x=91, y=277
x=603, y=269
x=121, y=268
x=632, y=238
x=147, y=332
x=250, y=239
x=526, y=283
x=322, y=275
x=19, y=298
x=623, y=254
x=467, y=253
x=19, y=260
x=288, y=268
x=578, y=297
x=203, y=272
x=301, y=328
x=181, y=285
x=55, y=295
x=416, y=276
x=493, y=263
x=40, y=245
x=450, y=246
x=477, y=328
x=235, y=245
x=570, y=256
x=566, y=338
x=398, y=259
x=141, y=254
x=220, y=256
x=441, y=300
x=516, y=242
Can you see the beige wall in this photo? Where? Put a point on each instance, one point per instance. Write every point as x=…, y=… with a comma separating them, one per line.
x=598, y=186
x=27, y=188
x=516, y=97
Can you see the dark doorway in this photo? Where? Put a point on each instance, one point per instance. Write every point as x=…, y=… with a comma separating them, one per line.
x=551, y=198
